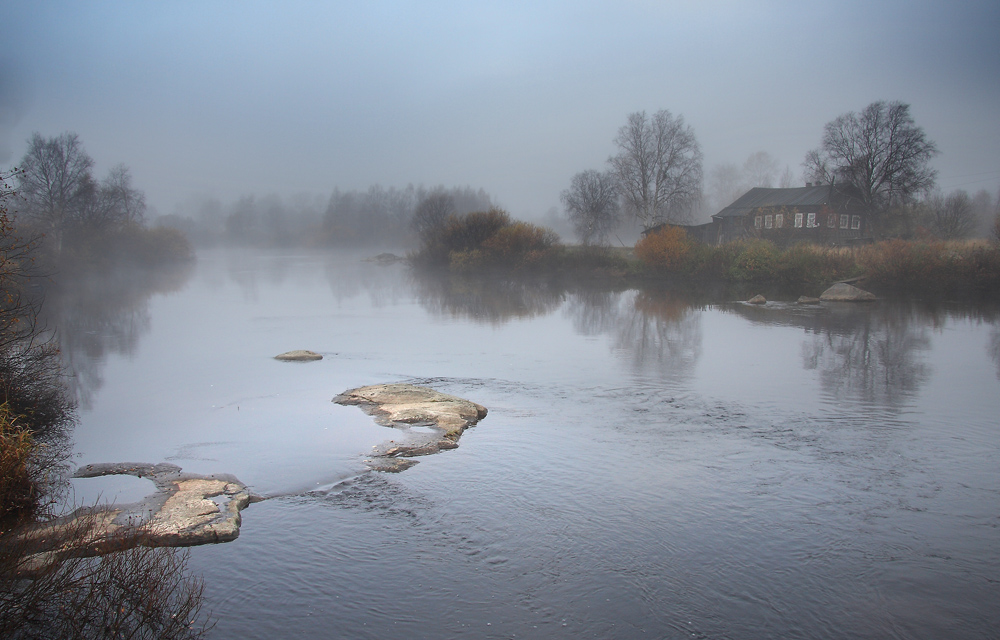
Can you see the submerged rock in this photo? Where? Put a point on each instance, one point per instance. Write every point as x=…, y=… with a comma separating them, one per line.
x=807, y=300
x=185, y=509
x=843, y=292
x=386, y=259
x=757, y=299
x=389, y=465
x=403, y=406
x=299, y=355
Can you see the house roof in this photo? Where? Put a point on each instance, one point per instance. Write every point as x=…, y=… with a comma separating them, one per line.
x=797, y=197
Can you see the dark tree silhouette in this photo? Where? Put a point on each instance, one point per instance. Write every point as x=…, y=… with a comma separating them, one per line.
x=592, y=204
x=658, y=168
x=880, y=153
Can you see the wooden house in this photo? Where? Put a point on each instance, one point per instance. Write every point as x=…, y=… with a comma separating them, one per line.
x=818, y=213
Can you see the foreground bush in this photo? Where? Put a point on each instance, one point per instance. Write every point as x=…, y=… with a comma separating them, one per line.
x=18, y=492
x=130, y=591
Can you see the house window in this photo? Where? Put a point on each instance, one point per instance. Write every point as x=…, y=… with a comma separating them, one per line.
x=831, y=220
x=768, y=221
x=855, y=222
x=756, y=222
x=811, y=220
x=779, y=220
x=798, y=220
x=843, y=221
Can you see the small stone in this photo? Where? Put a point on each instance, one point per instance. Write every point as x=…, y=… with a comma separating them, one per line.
x=807, y=300
x=299, y=355
x=757, y=299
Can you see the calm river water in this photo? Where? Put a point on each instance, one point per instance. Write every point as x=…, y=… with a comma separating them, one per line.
x=652, y=466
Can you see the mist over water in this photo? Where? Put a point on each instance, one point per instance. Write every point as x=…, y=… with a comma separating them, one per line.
x=653, y=464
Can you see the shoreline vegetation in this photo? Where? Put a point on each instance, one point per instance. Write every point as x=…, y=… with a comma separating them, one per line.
x=123, y=586
x=492, y=243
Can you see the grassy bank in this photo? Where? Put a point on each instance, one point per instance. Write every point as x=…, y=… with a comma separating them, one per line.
x=492, y=242
x=906, y=265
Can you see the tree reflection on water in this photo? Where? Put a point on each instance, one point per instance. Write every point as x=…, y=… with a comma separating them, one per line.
x=96, y=316
x=492, y=300
x=870, y=352
x=658, y=329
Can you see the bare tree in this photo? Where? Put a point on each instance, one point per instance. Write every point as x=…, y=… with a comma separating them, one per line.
x=725, y=185
x=879, y=152
x=787, y=178
x=983, y=210
x=760, y=169
x=432, y=212
x=952, y=217
x=55, y=181
x=592, y=204
x=658, y=168
x=128, y=204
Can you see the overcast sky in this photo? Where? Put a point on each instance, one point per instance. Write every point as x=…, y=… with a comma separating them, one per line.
x=233, y=98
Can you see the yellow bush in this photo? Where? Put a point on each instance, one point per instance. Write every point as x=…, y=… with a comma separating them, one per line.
x=666, y=248
x=17, y=490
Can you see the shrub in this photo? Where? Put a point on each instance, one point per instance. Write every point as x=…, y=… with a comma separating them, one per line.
x=752, y=261
x=485, y=239
x=466, y=232
x=17, y=486
x=666, y=248
x=519, y=244
x=131, y=246
x=128, y=590
x=901, y=262
x=805, y=262
x=983, y=266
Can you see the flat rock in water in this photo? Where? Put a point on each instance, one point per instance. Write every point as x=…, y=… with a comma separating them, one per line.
x=843, y=292
x=186, y=509
x=405, y=405
x=299, y=355
x=807, y=300
x=757, y=299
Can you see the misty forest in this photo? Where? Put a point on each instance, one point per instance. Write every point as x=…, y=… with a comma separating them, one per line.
x=667, y=370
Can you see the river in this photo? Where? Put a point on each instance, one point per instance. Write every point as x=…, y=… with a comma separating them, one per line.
x=653, y=465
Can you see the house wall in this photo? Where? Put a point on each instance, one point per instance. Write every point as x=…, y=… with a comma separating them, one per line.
x=822, y=225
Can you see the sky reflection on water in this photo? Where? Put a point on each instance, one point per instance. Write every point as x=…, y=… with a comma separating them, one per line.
x=653, y=462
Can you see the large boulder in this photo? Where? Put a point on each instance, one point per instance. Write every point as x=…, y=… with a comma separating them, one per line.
x=757, y=299
x=843, y=292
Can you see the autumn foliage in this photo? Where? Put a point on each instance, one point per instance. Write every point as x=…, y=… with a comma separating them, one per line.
x=486, y=240
x=666, y=248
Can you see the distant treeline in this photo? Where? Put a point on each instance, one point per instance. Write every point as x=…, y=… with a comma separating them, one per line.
x=378, y=216
x=75, y=222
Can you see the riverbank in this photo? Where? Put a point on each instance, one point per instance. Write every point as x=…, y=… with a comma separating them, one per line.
x=891, y=267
